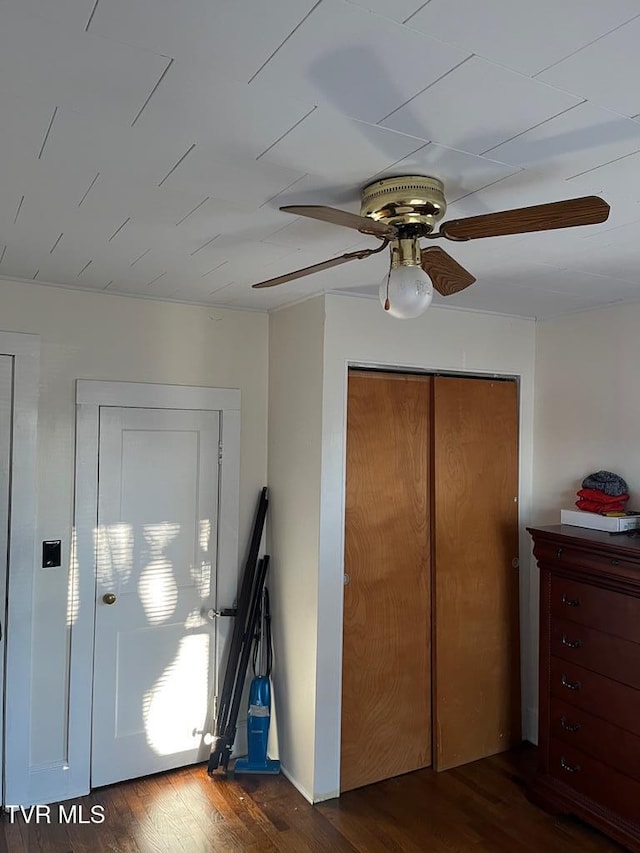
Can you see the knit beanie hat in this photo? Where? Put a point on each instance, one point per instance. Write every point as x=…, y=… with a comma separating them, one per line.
x=605, y=481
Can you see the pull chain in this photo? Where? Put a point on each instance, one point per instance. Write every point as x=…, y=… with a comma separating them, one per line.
x=387, y=304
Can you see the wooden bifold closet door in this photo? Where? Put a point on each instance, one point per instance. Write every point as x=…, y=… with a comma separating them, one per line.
x=431, y=638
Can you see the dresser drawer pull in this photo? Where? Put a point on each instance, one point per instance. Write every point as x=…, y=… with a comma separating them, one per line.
x=570, y=685
x=615, y=562
x=571, y=644
x=569, y=727
x=570, y=768
x=570, y=602
x=559, y=553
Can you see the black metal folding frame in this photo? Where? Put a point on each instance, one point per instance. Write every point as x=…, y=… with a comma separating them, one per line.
x=241, y=641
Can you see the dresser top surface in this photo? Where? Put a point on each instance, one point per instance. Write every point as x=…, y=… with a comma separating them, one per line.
x=626, y=544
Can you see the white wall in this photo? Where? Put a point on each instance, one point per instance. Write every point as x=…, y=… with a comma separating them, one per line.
x=587, y=413
x=295, y=441
x=305, y=350
x=100, y=336
x=587, y=409
x=358, y=331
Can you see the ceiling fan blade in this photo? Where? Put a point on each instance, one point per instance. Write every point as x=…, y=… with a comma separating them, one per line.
x=325, y=265
x=447, y=275
x=541, y=217
x=364, y=224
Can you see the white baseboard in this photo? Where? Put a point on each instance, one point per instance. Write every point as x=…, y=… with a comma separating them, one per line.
x=321, y=798
x=296, y=784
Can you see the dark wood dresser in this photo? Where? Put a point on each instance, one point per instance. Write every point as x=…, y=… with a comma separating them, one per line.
x=589, y=717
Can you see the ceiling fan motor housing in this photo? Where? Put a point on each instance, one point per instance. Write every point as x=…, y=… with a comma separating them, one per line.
x=413, y=203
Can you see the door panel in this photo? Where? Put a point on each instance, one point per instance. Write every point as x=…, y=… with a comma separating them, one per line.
x=155, y=649
x=386, y=700
x=476, y=631
x=6, y=407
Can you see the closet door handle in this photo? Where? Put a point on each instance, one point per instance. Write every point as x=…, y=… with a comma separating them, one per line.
x=571, y=644
x=570, y=685
x=570, y=602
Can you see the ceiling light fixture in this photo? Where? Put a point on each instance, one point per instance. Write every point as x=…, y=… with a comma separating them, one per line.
x=402, y=210
x=406, y=290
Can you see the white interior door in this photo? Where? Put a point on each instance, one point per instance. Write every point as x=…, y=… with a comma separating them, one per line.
x=6, y=398
x=155, y=648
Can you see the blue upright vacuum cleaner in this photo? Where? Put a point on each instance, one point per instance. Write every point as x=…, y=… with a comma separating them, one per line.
x=259, y=714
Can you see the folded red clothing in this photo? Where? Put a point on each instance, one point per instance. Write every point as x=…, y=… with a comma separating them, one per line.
x=601, y=497
x=601, y=509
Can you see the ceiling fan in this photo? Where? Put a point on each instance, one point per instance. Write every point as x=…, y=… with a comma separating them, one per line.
x=403, y=210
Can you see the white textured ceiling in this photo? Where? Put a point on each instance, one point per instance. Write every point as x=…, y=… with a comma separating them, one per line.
x=146, y=145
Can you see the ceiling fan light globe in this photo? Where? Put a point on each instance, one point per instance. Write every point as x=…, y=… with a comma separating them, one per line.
x=409, y=292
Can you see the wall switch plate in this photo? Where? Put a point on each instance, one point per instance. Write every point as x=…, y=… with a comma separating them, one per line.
x=51, y=553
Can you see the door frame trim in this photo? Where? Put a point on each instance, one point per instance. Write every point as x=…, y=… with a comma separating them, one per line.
x=332, y=524
x=74, y=780
x=25, y=350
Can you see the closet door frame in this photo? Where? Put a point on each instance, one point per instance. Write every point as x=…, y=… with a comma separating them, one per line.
x=25, y=350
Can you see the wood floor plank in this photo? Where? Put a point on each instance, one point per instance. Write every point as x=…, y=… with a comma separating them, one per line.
x=477, y=808
x=11, y=839
x=353, y=820
x=421, y=814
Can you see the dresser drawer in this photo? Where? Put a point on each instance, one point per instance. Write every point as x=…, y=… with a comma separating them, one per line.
x=611, y=656
x=595, y=780
x=559, y=555
x=600, y=696
x=614, y=746
x=598, y=608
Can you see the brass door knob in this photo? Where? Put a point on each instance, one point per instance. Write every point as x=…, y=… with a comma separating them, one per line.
x=109, y=598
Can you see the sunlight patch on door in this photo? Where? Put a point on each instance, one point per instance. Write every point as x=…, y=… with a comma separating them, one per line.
x=201, y=576
x=157, y=585
x=114, y=553
x=73, y=595
x=158, y=591
x=205, y=534
x=201, y=573
x=195, y=620
x=175, y=708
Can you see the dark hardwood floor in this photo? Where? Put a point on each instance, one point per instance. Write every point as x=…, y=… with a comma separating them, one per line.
x=479, y=807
